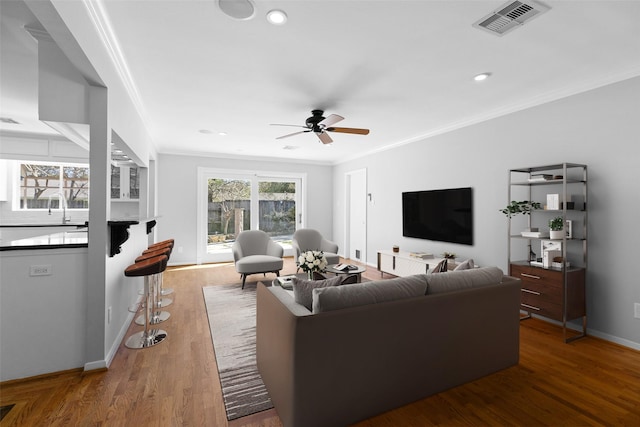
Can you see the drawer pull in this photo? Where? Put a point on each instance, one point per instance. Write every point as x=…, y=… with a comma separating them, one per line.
x=529, y=291
x=530, y=276
x=531, y=307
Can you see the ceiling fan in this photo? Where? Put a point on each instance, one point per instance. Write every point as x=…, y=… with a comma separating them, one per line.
x=320, y=125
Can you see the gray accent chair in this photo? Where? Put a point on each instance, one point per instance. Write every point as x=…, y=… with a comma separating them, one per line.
x=308, y=239
x=254, y=252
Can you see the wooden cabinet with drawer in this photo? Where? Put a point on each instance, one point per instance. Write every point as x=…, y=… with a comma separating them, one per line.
x=543, y=292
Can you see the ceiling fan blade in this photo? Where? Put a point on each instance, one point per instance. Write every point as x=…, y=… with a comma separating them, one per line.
x=280, y=124
x=292, y=134
x=324, y=138
x=333, y=118
x=349, y=130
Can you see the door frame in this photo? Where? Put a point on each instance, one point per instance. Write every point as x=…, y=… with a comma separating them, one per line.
x=203, y=175
x=348, y=192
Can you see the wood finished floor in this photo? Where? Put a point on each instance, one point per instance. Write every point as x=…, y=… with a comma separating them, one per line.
x=587, y=382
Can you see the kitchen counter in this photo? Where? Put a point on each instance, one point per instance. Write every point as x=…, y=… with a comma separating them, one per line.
x=57, y=224
x=77, y=238
x=66, y=239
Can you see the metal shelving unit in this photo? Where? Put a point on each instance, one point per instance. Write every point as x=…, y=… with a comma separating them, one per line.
x=557, y=292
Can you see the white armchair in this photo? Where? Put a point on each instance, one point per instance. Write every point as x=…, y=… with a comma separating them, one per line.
x=255, y=252
x=308, y=239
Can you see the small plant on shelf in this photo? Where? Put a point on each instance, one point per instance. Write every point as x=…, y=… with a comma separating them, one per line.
x=556, y=225
x=523, y=207
x=449, y=255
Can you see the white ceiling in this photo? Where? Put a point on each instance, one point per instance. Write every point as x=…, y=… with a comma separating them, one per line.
x=403, y=69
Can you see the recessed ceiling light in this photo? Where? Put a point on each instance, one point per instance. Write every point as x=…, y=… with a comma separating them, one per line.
x=222, y=133
x=277, y=17
x=481, y=77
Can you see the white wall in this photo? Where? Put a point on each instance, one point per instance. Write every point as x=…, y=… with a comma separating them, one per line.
x=598, y=128
x=177, y=198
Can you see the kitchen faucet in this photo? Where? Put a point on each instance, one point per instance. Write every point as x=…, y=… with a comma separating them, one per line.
x=63, y=203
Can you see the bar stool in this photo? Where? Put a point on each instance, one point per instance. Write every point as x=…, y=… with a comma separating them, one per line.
x=159, y=301
x=157, y=316
x=165, y=244
x=147, y=269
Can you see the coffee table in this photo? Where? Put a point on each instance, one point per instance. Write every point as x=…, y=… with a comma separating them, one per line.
x=358, y=271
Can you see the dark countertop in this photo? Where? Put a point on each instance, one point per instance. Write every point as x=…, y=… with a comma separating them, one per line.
x=77, y=238
x=57, y=224
x=67, y=239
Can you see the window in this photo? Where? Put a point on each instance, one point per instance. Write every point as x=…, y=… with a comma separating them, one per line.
x=44, y=185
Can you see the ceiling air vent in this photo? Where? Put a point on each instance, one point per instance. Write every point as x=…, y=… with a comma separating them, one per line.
x=509, y=16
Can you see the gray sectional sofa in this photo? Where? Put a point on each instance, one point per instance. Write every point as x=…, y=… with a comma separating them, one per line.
x=371, y=347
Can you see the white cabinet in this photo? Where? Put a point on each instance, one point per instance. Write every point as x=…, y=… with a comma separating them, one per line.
x=403, y=264
x=125, y=183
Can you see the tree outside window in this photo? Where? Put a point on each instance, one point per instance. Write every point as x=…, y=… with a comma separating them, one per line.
x=41, y=186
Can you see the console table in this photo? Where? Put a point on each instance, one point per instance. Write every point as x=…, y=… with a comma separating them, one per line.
x=403, y=264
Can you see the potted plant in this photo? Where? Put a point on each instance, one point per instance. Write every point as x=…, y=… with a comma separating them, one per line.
x=556, y=225
x=523, y=207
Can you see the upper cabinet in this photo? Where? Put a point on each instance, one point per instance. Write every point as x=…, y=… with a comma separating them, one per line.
x=125, y=183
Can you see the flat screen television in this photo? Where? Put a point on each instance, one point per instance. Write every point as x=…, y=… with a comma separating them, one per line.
x=440, y=215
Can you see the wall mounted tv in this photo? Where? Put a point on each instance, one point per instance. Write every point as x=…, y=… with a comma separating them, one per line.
x=441, y=215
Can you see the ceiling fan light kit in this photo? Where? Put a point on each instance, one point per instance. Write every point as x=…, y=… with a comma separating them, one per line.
x=320, y=125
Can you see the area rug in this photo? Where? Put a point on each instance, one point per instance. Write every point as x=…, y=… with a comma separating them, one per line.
x=232, y=320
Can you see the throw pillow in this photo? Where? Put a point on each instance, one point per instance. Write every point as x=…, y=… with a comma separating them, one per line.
x=339, y=297
x=441, y=267
x=303, y=289
x=465, y=265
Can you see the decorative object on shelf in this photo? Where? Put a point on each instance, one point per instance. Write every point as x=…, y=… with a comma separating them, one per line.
x=557, y=228
x=568, y=228
x=451, y=258
x=421, y=255
x=553, y=202
x=523, y=207
x=396, y=249
x=311, y=261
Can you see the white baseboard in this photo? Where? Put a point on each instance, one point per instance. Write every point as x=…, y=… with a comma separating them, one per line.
x=104, y=364
x=614, y=339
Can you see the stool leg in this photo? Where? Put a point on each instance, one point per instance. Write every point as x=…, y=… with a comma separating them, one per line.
x=161, y=302
x=156, y=316
x=148, y=337
x=164, y=291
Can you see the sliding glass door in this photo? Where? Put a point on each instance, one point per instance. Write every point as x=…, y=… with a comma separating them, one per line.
x=233, y=201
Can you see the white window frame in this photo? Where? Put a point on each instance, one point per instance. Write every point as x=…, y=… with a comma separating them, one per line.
x=17, y=184
x=205, y=172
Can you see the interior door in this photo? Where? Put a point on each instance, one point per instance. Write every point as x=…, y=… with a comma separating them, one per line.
x=356, y=218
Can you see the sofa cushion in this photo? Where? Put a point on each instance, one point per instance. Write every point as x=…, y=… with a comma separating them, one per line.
x=463, y=279
x=302, y=289
x=258, y=264
x=339, y=297
x=441, y=267
x=465, y=265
